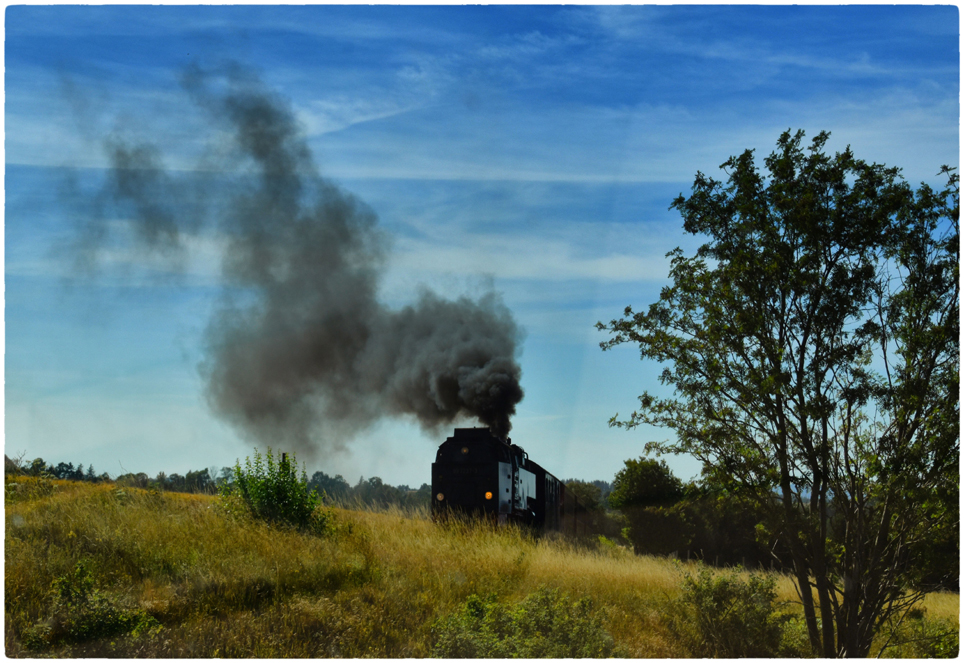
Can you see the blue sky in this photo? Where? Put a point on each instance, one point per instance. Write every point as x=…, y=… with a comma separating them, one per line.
x=535, y=150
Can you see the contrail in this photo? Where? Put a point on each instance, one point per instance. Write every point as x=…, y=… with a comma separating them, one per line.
x=300, y=352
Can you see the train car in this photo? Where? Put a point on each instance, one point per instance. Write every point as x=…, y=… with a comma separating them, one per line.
x=476, y=473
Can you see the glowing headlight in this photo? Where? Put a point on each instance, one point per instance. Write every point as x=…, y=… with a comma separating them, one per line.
x=440, y=497
x=488, y=495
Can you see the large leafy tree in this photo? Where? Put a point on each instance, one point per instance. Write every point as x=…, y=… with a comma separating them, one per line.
x=643, y=490
x=645, y=483
x=812, y=346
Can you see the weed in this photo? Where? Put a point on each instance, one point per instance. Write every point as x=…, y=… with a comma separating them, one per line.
x=920, y=636
x=727, y=616
x=81, y=613
x=274, y=492
x=547, y=624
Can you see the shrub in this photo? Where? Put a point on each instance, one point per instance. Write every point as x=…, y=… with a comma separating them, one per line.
x=728, y=617
x=919, y=636
x=547, y=624
x=82, y=613
x=274, y=492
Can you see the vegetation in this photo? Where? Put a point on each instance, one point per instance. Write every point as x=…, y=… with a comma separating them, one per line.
x=98, y=570
x=812, y=344
x=38, y=467
x=272, y=491
x=80, y=613
x=645, y=483
x=546, y=624
x=726, y=616
x=642, y=492
x=593, y=497
x=371, y=492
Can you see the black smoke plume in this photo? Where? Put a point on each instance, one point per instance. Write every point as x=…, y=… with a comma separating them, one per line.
x=300, y=352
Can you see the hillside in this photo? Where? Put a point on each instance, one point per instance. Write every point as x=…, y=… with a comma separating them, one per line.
x=97, y=570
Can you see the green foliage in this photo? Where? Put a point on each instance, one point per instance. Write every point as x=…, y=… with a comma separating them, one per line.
x=374, y=492
x=641, y=491
x=715, y=526
x=333, y=488
x=725, y=616
x=812, y=347
x=588, y=495
x=725, y=529
x=547, y=624
x=371, y=492
x=272, y=490
x=601, y=521
x=82, y=613
x=918, y=636
x=645, y=483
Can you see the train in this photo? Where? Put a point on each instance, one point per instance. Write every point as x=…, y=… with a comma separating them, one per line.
x=475, y=473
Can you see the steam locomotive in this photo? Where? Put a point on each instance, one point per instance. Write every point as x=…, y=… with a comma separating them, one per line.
x=476, y=473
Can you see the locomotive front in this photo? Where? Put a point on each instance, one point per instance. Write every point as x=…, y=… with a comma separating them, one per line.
x=476, y=473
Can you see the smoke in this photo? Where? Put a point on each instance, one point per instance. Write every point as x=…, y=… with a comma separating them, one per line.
x=300, y=352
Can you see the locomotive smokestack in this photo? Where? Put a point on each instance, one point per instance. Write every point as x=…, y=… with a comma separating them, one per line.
x=300, y=352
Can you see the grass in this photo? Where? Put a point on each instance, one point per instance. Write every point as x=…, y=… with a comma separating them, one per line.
x=175, y=575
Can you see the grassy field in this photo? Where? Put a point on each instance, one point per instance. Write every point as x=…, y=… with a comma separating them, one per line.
x=95, y=570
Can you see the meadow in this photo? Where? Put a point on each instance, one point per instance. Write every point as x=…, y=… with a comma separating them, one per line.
x=97, y=570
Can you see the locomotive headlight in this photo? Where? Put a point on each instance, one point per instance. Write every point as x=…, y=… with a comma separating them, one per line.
x=488, y=494
x=440, y=497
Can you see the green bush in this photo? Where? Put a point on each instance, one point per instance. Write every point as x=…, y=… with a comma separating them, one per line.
x=272, y=491
x=82, y=613
x=919, y=636
x=728, y=617
x=547, y=624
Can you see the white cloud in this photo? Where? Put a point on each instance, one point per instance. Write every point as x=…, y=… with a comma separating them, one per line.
x=530, y=258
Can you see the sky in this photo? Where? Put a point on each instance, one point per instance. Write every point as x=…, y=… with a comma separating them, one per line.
x=528, y=151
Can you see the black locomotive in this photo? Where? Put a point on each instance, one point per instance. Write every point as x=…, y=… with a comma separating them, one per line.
x=477, y=473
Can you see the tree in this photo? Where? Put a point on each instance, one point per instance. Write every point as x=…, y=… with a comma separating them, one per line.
x=333, y=488
x=37, y=467
x=588, y=495
x=198, y=481
x=641, y=491
x=812, y=344
x=63, y=470
x=645, y=483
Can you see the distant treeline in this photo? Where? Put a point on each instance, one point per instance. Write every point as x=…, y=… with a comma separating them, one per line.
x=367, y=492
x=200, y=481
x=38, y=467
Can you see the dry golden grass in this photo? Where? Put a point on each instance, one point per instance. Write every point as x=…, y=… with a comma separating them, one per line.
x=223, y=587
x=945, y=605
